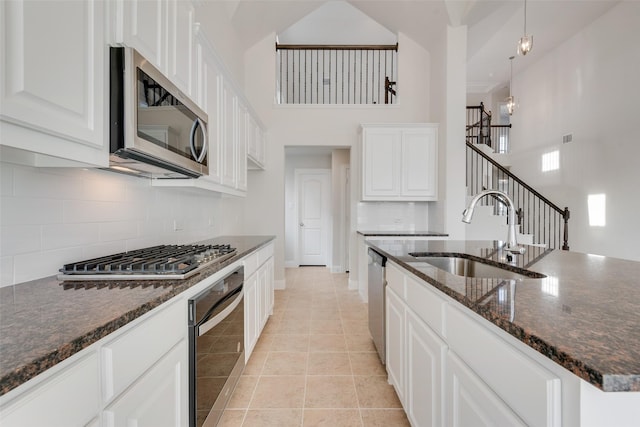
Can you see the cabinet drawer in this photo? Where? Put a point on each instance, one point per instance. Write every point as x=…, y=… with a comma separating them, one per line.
x=130, y=355
x=529, y=389
x=426, y=304
x=68, y=398
x=250, y=264
x=265, y=253
x=395, y=279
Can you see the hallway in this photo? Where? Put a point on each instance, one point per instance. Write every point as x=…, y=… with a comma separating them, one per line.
x=315, y=364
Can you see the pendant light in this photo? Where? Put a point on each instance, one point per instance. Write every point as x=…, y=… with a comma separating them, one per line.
x=511, y=101
x=526, y=42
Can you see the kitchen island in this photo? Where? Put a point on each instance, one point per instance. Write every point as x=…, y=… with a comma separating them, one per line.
x=579, y=324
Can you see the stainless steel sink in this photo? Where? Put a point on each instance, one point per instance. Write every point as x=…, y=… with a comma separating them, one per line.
x=472, y=268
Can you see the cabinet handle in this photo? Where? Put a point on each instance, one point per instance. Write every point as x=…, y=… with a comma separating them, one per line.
x=302, y=224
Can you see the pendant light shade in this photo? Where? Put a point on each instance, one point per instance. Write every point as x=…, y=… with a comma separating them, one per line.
x=525, y=44
x=511, y=101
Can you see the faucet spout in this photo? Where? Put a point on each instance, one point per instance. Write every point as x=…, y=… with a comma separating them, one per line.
x=512, y=243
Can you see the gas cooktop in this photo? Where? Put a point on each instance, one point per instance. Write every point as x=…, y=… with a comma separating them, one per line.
x=161, y=262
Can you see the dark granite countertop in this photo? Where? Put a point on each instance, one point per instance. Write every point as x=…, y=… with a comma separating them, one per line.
x=417, y=233
x=43, y=322
x=584, y=315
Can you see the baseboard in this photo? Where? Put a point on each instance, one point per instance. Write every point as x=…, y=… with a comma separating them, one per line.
x=353, y=284
x=279, y=284
x=291, y=264
x=337, y=269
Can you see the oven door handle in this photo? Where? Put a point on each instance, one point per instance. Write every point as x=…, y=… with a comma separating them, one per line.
x=206, y=326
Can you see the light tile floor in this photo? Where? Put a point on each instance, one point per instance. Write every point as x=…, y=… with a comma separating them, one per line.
x=315, y=364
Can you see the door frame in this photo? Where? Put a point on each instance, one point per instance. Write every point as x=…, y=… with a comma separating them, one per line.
x=328, y=237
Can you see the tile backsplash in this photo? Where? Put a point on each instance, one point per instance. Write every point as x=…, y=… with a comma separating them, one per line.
x=52, y=216
x=393, y=216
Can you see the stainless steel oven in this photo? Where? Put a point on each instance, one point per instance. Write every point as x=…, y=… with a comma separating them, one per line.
x=216, y=348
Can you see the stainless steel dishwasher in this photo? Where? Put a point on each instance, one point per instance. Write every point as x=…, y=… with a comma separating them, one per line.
x=377, y=284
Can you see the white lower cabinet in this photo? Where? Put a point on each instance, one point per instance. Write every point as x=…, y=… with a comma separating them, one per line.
x=448, y=368
x=157, y=399
x=471, y=402
x=395, y=348
x=138, y=375
x=250, y=314
x=425, y=360
x=415, y=357
x=69, y=398
x=258, y=295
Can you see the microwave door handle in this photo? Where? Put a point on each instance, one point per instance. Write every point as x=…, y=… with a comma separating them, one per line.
x=192, y=140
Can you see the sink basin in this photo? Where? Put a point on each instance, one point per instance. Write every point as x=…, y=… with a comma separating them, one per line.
x=466, y=267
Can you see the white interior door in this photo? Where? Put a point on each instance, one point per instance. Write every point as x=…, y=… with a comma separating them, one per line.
x=314, y=208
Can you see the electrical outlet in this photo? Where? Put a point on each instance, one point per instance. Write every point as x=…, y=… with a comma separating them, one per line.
x=178, y=225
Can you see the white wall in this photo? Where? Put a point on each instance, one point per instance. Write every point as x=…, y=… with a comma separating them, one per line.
x=319, y=126
x=336, y=22
x=50, y=217
x=448, y=80
x=588, y=86
x=341, y=203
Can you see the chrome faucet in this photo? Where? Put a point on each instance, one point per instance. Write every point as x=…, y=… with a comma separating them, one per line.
x=512, y=243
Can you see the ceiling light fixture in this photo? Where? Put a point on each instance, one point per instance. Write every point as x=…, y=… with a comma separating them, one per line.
x=511, y=101
x=526, y=42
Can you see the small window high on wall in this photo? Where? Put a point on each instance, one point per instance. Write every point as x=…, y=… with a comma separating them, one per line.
x=337, y=74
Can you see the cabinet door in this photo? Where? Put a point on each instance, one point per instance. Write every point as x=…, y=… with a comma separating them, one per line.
x=227, y=135
x=395, y=342
x=241, y=147
x=419, y=163
x=209, y=93
x=181, y=50
x=52, y=78
x=252, y=142
x=69, y=398
x=144, y=27
x=425, y=356
x=470, y=402
x=250, y=314
x=270, y=287
x=157, y=399
x=381, y=156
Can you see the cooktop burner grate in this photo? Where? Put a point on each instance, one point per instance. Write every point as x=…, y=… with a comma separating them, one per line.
x=157, y=262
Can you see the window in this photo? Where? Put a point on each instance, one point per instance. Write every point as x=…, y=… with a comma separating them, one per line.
x=551, y=161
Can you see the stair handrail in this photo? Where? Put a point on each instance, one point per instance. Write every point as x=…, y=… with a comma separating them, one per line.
x=565, y=213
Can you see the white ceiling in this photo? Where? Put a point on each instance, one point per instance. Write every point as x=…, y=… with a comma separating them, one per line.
x=494, y=26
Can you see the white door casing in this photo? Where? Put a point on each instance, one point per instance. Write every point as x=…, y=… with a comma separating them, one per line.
x=314, y=209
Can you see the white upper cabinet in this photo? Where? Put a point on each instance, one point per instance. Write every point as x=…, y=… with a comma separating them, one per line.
x=143, y=26
x=255, y=144
x=52, y=80
x=227, y=115
x=400, y=162
x=208, y=99
x=181, y=67
x=241, y=159
x=162, y=31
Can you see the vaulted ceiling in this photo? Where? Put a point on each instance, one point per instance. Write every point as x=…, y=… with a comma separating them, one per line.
x=494, y=26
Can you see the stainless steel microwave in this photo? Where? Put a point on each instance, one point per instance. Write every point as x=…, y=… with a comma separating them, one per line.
x=155, y=130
